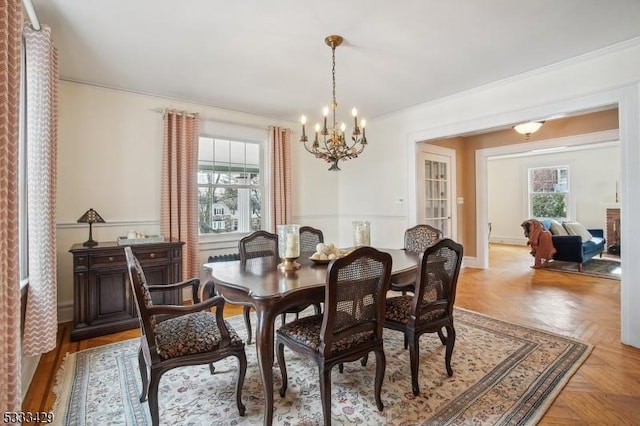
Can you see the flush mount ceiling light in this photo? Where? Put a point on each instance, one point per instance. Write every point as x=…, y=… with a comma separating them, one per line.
x=528, y=128
x=333, y=145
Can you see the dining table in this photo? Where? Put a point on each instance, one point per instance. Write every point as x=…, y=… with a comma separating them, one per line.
x=259, y=283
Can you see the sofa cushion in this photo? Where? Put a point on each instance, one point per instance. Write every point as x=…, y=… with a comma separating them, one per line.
x=556, y=228
x=576, y=228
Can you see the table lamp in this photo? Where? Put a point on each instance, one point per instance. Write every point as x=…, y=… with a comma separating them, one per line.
x=90, y=216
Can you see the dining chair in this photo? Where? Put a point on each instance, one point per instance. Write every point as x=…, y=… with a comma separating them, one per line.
x=178, y=336
x=310, y=237
x=262, y=244
x=416, y=240
x=350, y=326
x=430, y=308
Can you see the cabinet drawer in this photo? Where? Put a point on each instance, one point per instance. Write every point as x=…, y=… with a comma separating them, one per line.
x=147, y=254
x=109, y=259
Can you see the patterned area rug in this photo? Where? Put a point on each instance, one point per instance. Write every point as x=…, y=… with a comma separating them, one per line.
x=602, y=268
x=503, y=374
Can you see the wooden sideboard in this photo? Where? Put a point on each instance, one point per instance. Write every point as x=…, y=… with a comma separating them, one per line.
x=102, y=298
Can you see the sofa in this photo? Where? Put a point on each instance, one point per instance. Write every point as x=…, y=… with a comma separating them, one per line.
x=573, y=242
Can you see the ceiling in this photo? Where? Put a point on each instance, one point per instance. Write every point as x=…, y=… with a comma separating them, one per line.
x=268, y=57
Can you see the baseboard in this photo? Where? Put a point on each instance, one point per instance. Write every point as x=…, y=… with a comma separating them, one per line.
x=469, y=262
x=508, y=240
x=65, y=311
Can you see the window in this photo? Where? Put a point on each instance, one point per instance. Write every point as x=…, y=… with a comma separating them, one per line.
x=229, y=186
x=549, y=192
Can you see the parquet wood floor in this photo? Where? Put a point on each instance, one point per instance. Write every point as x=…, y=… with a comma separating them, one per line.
x=604, y=391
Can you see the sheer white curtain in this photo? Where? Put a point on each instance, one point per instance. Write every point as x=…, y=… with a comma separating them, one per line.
x=41, y=321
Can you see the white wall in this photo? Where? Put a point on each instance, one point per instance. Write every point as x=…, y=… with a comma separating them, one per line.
x=109, y=155
x=593, y=175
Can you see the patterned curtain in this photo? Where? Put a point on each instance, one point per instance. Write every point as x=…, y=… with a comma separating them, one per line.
x=280, y=148
x=41, y=321
x=10, y=365
x=179, y=209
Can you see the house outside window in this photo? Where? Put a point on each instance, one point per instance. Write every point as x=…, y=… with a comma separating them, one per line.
x=549, y=192
x=230, y=186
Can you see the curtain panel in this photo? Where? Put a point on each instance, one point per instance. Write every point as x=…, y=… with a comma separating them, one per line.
x=10, y=363
x=179, y=196
x=41, y=320
x=280, y=205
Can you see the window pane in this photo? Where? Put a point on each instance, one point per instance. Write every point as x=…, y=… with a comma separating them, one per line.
x=229, y=187
x=549, y=192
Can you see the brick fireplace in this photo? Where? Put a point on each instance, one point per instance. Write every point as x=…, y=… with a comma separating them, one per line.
x=613, y=230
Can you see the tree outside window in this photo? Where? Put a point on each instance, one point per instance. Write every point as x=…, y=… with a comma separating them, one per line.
x=549, y=192
x=229, y=186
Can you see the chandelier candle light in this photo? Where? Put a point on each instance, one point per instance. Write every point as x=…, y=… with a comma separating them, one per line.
x=334, y=146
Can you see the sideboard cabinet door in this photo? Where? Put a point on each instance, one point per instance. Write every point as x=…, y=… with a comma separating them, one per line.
x=103, y=302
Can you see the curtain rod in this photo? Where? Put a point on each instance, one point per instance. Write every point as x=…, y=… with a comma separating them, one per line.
x=213, y=120
x=35, y=23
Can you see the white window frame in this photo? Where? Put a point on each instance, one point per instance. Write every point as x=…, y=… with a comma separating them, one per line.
x=262, y=187
x=23, y=187
x=567, y=192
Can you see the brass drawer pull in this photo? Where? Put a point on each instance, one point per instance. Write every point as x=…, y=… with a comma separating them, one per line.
x=110, y=258
x=152, y=255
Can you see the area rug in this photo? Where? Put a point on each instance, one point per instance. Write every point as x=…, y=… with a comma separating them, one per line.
x=601, y=268
x=503, y=374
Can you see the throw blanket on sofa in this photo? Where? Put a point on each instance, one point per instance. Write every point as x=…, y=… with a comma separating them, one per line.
x=540, y=241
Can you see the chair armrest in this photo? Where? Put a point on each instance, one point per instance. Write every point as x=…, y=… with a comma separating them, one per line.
x=217, y=301
x=193, y=282
x=173, y=311
x=597, y=232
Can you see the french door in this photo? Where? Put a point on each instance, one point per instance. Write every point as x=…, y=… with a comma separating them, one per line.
x=436, y=189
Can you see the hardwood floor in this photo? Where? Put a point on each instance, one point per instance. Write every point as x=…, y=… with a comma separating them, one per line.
x=605, y=390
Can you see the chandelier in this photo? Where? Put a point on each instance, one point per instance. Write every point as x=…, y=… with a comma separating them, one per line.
x=330, y=143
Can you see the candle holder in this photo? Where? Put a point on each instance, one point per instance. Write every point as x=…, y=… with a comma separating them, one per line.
x=361, y=233
x=289, y=247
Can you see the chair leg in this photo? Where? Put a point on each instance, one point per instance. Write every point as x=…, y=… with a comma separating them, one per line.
x=144, y=375
x=406, y=341
x=212, y=368
x=283, y=368
x=242, y=371
x=451, y=340
x=247, y=323
x=381, y=365
x=316, y=308
x=442, y=337
x=325, y=393
x=153, y=397
x=414, y=359
x=283, y=318
x=364, y=360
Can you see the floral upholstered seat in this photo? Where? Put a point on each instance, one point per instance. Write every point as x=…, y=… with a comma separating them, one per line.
x=191, y=334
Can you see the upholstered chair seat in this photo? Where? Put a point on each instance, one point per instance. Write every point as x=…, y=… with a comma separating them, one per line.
x=307, y=332
x=399, y=310
x=191, y=334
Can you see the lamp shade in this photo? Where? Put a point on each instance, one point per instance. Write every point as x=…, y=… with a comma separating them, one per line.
x=90, y=216
x=528, y=128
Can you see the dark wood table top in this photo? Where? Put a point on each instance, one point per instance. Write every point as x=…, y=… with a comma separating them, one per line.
x=261, y=277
